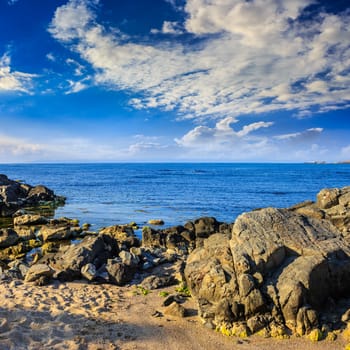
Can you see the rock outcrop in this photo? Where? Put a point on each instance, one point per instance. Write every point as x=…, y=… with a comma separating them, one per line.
x=15, y=195
x=183, y=239
x=332, y=204
x=278, y=267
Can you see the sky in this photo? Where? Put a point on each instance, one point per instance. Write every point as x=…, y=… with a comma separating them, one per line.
x=174, y=80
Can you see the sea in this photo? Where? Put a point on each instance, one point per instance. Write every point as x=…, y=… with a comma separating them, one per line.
x=105, y=194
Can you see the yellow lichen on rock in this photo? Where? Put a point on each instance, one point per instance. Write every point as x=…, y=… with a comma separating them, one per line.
x=346, y=333
x=315, y=335
x=331, y=336
x=225, y=331
x=278, y=332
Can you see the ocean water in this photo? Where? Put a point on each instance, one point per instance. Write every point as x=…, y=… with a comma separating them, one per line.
x=108, y=194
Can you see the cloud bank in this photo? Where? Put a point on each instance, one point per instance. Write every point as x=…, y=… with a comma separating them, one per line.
x=252, y=57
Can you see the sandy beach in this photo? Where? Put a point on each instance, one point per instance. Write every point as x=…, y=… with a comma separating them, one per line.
x=86, y=316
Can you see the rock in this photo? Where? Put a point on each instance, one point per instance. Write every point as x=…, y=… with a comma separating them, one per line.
x=156, y=222
x=15, y=195
x=25, y=233
x=54, y=233
x=307, y=320
x=345, y=316
x=119, y=273
x=175, y=310
x=40, y=193
x=91, y=249
x=8, y=237
x=310, y=209
x=123, y=234
x=258, y=322
x=29, y=220
x=206, y=226
x=177, y=238
x=89, y=271
x=277, y=263
x=155, y=282
x=173, y=298
x=315, y=335
x=37, y=271
x=129, y=259
x=328, y=198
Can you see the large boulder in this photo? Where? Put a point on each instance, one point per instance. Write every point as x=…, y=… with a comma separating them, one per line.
x=94, y=250
x=15, y=195
x=278, y=264
x=118, y=272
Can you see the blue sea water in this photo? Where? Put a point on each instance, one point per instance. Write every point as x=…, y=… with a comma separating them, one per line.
x=108, y=194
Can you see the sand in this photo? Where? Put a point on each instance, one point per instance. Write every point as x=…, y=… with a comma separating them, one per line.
x=85, y=316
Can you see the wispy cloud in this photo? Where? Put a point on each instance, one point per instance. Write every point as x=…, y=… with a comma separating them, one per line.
x=12, y=80
x=256, y=56
x=17, y=147
x=304, y=135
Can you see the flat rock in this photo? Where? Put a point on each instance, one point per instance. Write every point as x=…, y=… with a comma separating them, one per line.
x=8, y=237
x=37, y=271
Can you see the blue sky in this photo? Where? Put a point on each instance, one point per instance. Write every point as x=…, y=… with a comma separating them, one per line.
x=174, y=80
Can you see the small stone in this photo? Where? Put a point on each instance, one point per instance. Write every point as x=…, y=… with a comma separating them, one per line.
x=315, y=335
x=175, y=309
x=156, y=222
x=331, y=336
x=86, y=226
x=157, y=314
x=88, y=271
x=346, y=316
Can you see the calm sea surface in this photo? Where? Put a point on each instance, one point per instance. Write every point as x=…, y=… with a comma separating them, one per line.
x=107, y=194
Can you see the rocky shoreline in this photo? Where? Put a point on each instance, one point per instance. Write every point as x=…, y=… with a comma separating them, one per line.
x=274, y=272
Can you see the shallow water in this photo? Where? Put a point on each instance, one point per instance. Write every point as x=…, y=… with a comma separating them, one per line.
x=107, y=194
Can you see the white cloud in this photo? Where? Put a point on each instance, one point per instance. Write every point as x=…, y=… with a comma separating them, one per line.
x=14, y=147
x=169, y=28
x=223, y=138
x=13, y=80
x=304, y=135
x=76, y=86
x=51, y=57
x=262, y=58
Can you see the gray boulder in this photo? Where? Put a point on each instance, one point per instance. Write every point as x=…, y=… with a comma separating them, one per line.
x=123, y=234
x=277, y=263
x=91, y=250
x=332, y=204
x=15, y=195
x=8, y=237
x=119, y=273
x=38, y=271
